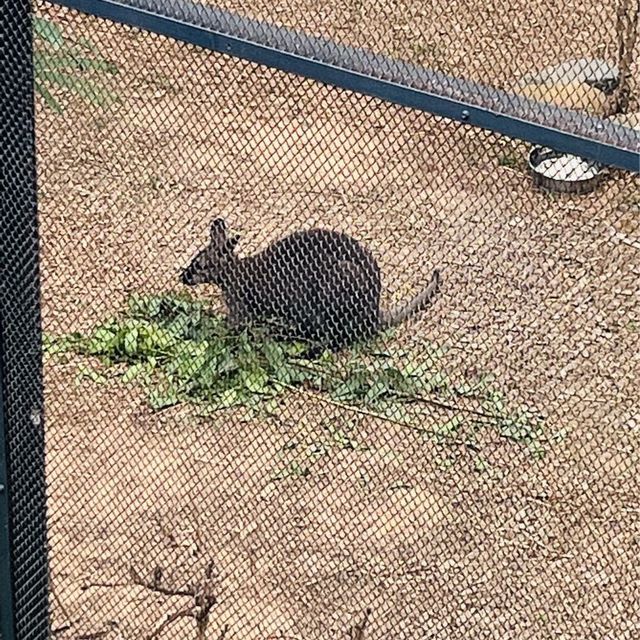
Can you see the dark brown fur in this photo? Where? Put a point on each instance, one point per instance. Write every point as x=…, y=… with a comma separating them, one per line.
x=318, y=285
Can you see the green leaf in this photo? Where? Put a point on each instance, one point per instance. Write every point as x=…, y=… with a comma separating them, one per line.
x=184, y=323
x=295, y=469
x=103, y=342
x=48, y=31
x=143, y=306
x=418, y=369
x=446, y=463
x=274, y=353
x=497, y=402
x=271, y=407
x=190, y=355
x=47, y=96
x=87, y=64
x=131, y=341
x=468, y=389
x=207, y=377
x=296, y=348
x=54, y=345
x=290, y=373
x=135, y=371
x=61, y=64
x=163, y=397
x=342, y=439
x=228, y=363
x=158, y=340
x=436, y=382
x=536, y=450
x=450, y=427
x=87, y=44
x=256, y=381
x=189, y=358
x=377, y=390
x=82, y=86
x=87, y=372
x=228, y=398
x=63, y=61
x=353, y=387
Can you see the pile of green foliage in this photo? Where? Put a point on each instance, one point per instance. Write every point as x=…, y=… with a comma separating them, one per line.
x=180, y=352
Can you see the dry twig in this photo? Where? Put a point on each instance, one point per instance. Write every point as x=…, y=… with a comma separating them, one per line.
x=357, y=632
x=58, y=601
x=203, y=596
x=373, y=414
x=184, y=613
x=155, y=584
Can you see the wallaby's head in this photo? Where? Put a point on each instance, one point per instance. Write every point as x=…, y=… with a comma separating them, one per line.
x=212, y=264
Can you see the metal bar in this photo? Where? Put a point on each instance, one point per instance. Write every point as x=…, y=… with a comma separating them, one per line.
x=172, y=23
x=24, y=573
x=7, y=626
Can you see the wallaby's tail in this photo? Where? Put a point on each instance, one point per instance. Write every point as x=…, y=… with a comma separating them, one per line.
x=399, y=314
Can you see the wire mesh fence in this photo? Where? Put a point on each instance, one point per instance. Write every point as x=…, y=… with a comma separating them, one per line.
x=23, y=569
x=254, y=434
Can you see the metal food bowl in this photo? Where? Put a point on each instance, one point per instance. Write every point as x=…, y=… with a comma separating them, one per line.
x=564, y=173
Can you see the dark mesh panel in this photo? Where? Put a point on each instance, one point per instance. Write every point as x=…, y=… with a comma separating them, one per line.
x=20, y=350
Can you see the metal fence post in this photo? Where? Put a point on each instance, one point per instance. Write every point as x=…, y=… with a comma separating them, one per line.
x=7, y=629
x=24, y=611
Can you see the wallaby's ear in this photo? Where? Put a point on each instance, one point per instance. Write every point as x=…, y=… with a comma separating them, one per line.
x=218, y=230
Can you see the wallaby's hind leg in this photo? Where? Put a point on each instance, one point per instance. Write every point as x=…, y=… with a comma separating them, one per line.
x=349, y=305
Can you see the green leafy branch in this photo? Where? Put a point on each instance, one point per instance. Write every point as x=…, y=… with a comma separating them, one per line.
x=61, y=64
x=180, y=352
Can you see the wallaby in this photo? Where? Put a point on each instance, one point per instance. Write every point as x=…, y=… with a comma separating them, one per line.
x=320, y=286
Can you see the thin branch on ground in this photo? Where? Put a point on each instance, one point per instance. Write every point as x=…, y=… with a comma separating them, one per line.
x=357, y=632
x=102, y=585
x=415, y=397
x=401, y=423
x=96, y=635
x=203, y=596
x=58, y=602
x=62, y=629
x=205, y=603
x=155, y=584
x=492, y=417
x=184, y=613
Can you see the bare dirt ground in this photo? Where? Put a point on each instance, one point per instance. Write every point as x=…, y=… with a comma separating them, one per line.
x=492, y=41
x=540, y=291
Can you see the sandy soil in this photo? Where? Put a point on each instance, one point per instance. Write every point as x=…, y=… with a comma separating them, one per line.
x=538, y=290
x=493, y=41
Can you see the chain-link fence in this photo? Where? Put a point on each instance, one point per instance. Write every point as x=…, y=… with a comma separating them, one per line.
x=319, y=363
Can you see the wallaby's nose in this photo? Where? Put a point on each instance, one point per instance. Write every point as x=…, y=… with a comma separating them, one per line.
x=184, y=277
